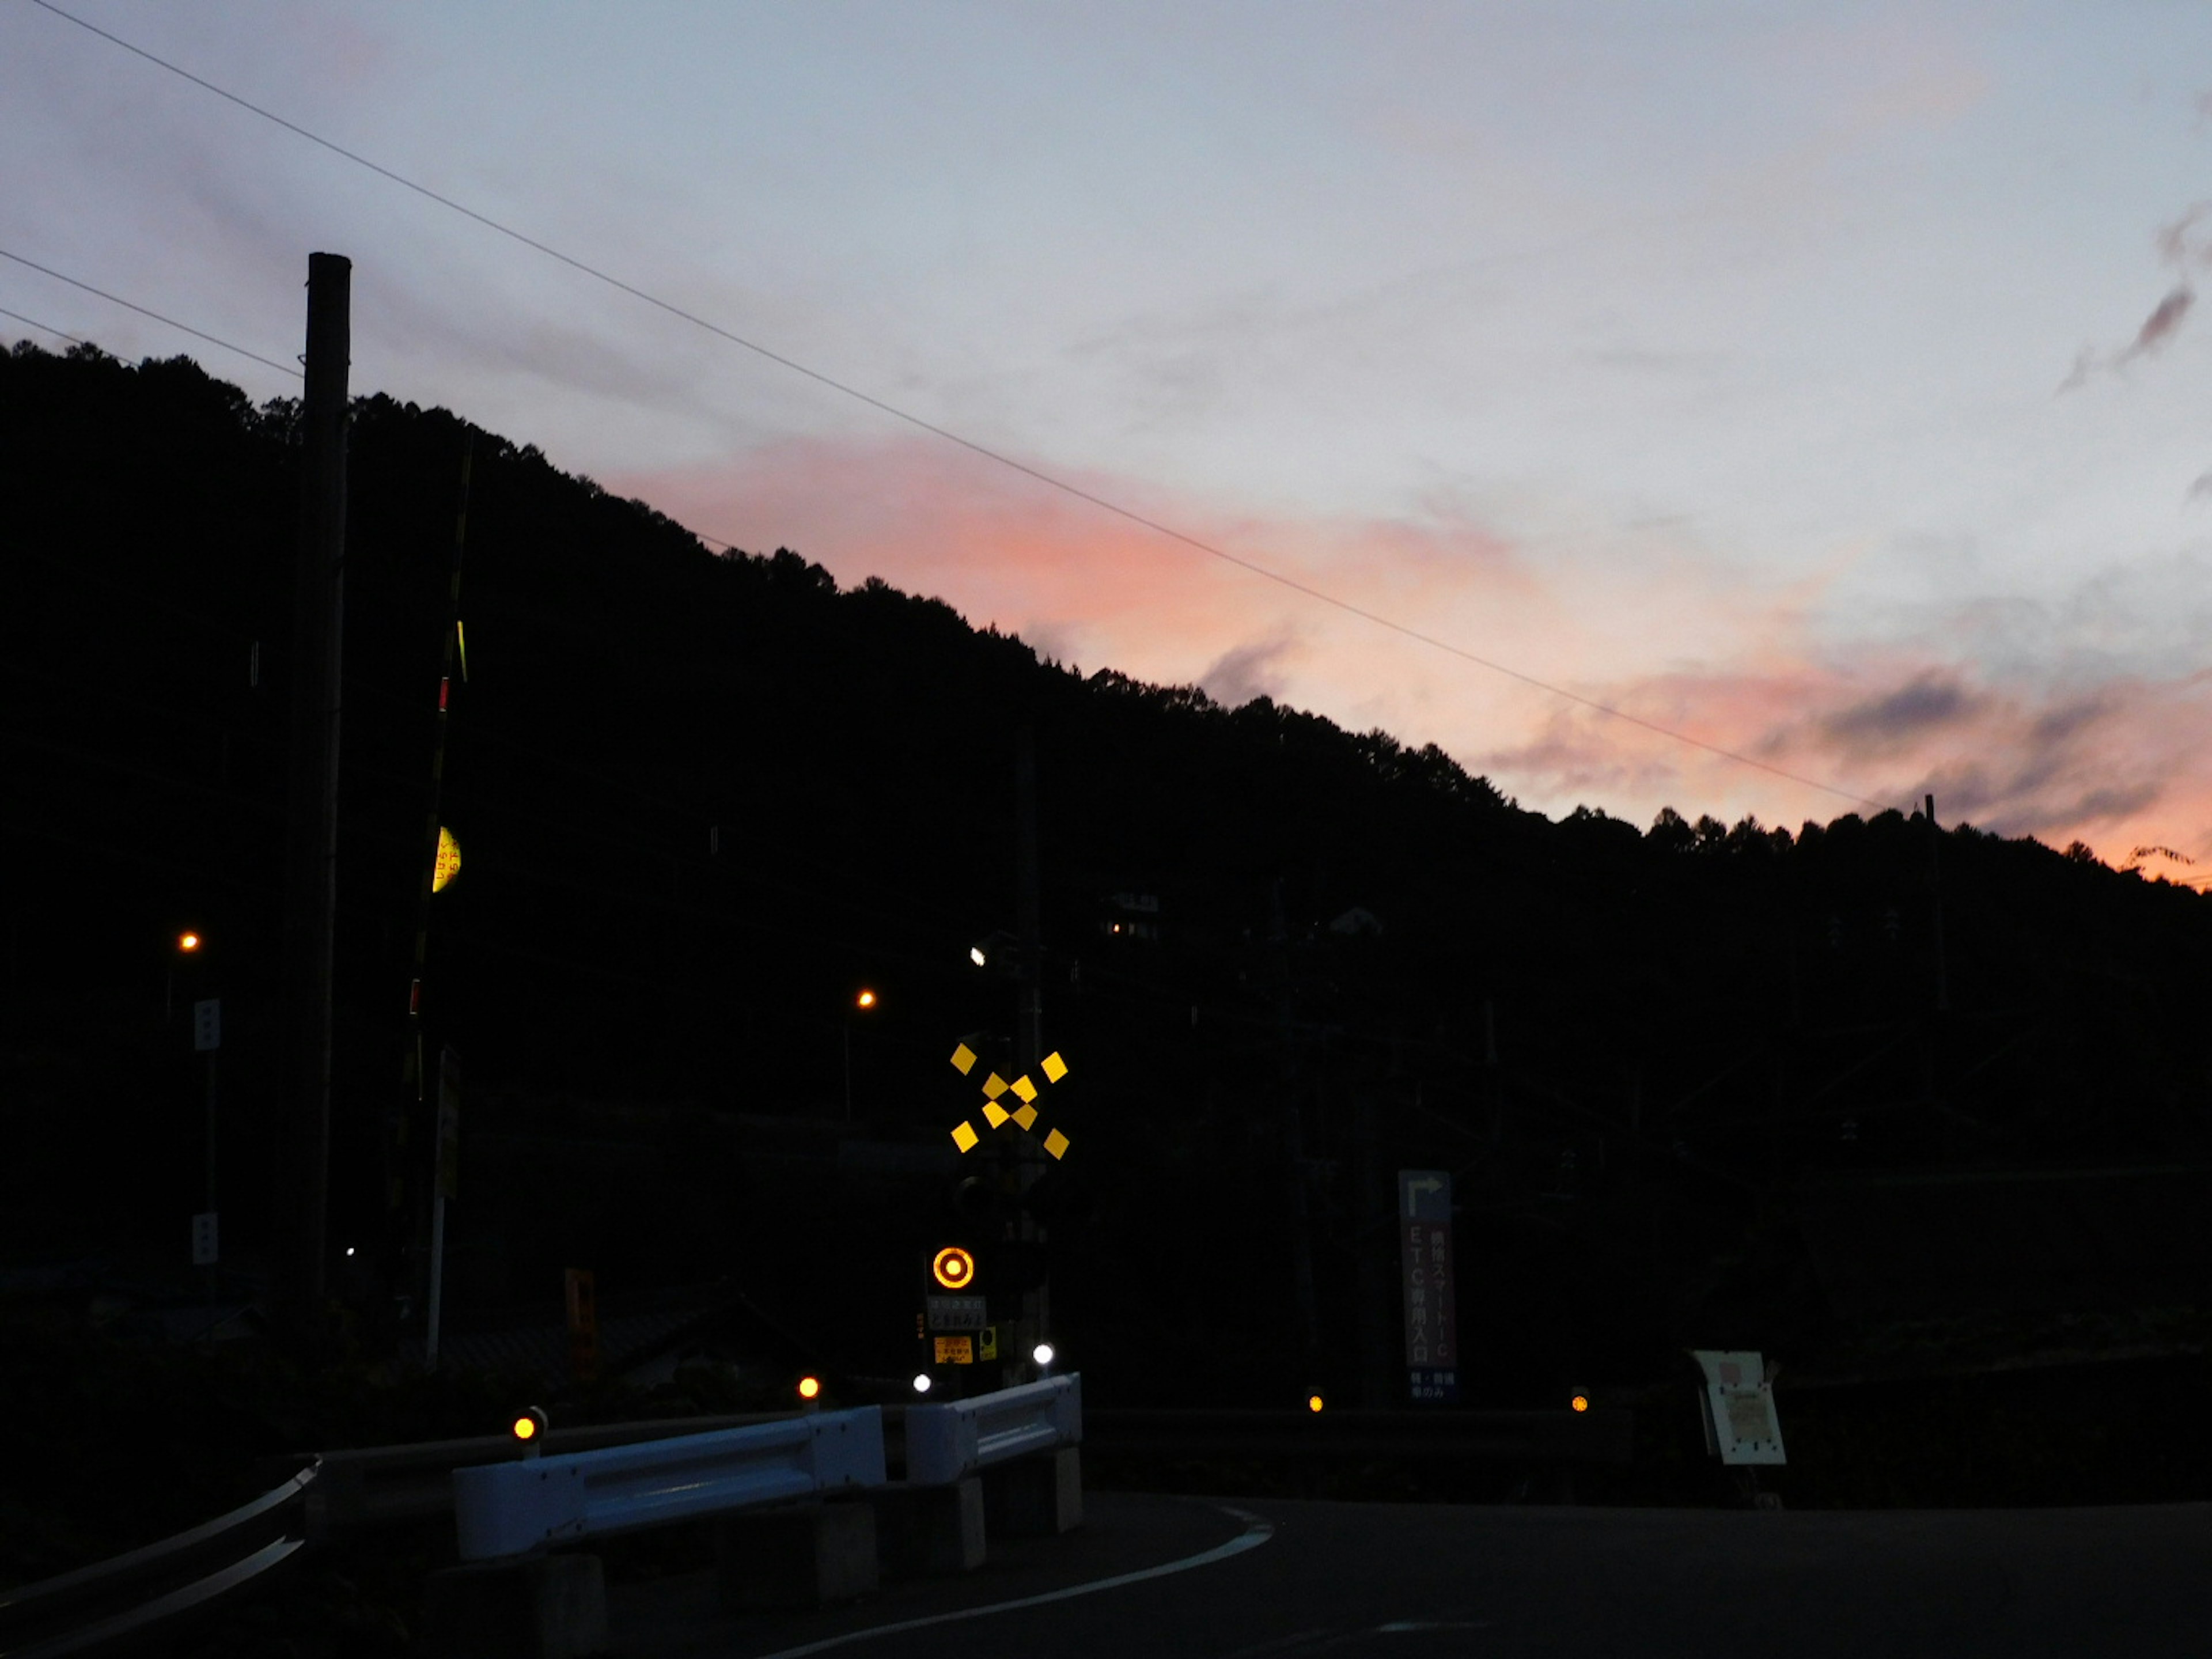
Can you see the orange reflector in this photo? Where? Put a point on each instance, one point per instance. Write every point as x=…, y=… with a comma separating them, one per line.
x=1314, y=1402
x=188, y=942
x=1580, y=1403
x=810, y=1388
x=525, y=1426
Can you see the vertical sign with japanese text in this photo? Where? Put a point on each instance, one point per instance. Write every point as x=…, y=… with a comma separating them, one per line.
x=1425, y=1228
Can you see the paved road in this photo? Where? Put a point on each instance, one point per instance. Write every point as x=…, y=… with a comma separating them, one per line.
x=1289, y=1580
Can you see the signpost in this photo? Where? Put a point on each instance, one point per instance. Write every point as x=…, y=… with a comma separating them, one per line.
x=1431, y=1274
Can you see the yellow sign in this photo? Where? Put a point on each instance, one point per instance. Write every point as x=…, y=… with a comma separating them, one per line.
x=965, y=1136
x=1055, y=1067
x=963, y=1060
x=449, y=861
x=1056, y=1144
x=956, y=1351
x=953, y=1267
x=987, y=1343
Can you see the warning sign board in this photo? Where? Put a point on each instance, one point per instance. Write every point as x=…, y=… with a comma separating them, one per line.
x=1424, y=1210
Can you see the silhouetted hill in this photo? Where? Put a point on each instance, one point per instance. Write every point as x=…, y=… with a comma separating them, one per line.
x=701, y=799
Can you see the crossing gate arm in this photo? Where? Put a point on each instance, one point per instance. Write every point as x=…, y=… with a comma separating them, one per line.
x=947, y=1442
x=510, y=1508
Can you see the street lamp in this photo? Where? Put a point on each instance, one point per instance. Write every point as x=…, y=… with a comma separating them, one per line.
x=861, y=1004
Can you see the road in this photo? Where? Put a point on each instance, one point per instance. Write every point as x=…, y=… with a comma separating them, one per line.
x=1283, y=1580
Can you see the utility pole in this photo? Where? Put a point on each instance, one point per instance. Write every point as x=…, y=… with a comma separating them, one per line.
x=312, y=819
x=1936, y=907
x=1029, y=1037
x=1294, y=1151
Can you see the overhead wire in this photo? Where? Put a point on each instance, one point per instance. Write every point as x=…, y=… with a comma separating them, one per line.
x=1037, y=474
x=293, y=369
x=43, y=328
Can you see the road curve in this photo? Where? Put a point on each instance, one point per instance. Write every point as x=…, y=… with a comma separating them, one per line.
x=1424, y=1581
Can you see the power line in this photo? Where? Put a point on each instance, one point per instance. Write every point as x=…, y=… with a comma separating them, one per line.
x=128, y=305
x=43, y=328
x=1003, y=460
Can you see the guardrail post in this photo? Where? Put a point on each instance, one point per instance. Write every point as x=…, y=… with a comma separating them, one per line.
x=925, y=1532
x=1039, y=1496
x=811, y=1556
x=548, y=1606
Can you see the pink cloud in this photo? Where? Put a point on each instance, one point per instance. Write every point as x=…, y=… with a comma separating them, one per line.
x=1667, y=637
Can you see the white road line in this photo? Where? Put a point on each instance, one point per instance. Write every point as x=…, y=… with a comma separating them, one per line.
x=1257, y=1532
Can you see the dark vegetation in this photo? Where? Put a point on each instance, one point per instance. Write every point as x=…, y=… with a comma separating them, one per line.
x=703, y=799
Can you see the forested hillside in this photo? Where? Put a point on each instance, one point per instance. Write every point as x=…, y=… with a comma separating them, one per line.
x=703, y=799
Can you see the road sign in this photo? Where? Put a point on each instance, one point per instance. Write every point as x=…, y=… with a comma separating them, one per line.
x=203, y=1240
x=1741, y=1426
x=958, y=1313
x=955, y=1350
x=207, y=1025
x=1425, y=1227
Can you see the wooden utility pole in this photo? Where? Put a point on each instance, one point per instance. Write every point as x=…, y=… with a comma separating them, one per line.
x=312, y=820
x=1029, y=1042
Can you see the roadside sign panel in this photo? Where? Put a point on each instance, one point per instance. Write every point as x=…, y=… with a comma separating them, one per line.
x=1430, y=1275
x=1741, y=1424
x=203, y=1239
x=207, y=1025
x=958, y=1313
x=955, y=1350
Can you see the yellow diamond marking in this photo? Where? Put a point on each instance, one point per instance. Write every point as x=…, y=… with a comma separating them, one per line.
x=993, y=1114
x=965, y=1136
x=1056, y=1144
x=963, y=1060
x=1054, y=1068
x=1026, y=1117
x=995, y=1087
x=1025, y=1089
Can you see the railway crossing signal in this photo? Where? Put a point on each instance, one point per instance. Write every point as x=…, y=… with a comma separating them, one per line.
x=1023, y=1117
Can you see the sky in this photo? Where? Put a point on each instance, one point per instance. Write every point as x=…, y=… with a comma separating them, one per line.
x=1813, y=382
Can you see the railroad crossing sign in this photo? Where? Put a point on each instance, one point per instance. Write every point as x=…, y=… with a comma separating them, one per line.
x=1023, y=1117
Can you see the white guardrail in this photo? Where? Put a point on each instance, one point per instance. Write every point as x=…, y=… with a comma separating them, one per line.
x=512, y=1508
x=947, y=1442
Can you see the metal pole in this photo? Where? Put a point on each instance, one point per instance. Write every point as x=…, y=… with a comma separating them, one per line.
x=409, y=1116
x=311, y=852
x=437, y=1281
x=215, y=1271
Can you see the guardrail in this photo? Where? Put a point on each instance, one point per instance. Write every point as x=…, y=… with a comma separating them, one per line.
x=509, y=1509
x=1597, y=1436
x=947, y=1442
x=133, y=1597
x=376, y=1485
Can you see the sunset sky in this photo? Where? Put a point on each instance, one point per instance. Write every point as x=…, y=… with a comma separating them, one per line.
x=1812, y=380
